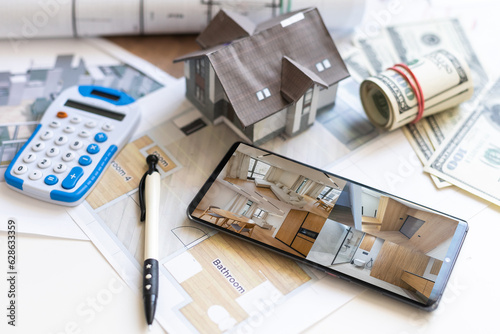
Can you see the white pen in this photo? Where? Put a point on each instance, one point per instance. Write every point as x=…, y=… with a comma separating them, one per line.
x=149, y=200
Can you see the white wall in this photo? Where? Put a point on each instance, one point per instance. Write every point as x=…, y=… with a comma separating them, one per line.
x=370, y=204
x=288, y=178
x=218, y=195
x=355, y=197
x=314, y=105
x=269, y=125
x=293, y=117
x=327, y=96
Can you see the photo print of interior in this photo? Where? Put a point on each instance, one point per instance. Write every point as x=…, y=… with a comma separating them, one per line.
x=379, y=239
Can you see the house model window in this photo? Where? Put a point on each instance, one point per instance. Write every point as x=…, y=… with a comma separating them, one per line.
x=306, y=107
x=263, y=94
x=322, y=65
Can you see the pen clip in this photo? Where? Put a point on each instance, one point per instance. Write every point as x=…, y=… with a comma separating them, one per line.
x=151, y=160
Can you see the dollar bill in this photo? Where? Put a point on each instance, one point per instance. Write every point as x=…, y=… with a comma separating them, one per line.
x=403, y=43
x=439, y=126
x=389, y=101
x=423, y=148
x=470, y=157
x=357, y=65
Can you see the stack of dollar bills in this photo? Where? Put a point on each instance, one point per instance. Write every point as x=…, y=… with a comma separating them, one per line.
x=460, y=146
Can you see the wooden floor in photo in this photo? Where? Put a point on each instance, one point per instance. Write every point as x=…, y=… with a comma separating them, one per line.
x=260, y=234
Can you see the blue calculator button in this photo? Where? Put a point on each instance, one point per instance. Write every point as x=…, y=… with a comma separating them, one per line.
x=85, y=160
x=93, y=149
x=100, y=137
x=71, y=180
x=50, y=180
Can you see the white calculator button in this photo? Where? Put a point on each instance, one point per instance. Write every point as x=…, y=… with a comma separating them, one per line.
x=76, y=145
x=91, y=124
x=44, y=163
x=61, y=140
x=52, y=152
x=55, y=124
x=38, y=146
x=21, y=169
x=69, y=129
x=107, y=127
x=46, y=135
x=30, y=157
x=84, y=134
x=60, y=168
x=68, y=156
x=75, y=120
x=35, y=175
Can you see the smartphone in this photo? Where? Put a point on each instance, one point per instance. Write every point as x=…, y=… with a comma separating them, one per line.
x=347, y=229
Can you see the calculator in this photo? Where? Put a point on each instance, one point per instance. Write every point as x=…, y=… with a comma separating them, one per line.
x=77, y=138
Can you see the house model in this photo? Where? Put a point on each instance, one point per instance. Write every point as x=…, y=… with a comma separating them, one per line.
x=264, y=79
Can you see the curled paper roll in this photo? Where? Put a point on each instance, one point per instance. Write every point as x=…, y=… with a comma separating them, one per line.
x=405, y=93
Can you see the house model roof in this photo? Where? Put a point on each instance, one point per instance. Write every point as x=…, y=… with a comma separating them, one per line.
x=266, y=67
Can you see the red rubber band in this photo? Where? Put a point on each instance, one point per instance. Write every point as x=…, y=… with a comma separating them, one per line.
x=417, y=89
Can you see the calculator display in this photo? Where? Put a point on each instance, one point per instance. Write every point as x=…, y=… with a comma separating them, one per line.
x=94, y=110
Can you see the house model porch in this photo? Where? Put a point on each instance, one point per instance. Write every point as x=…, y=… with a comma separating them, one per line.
x=264, y=79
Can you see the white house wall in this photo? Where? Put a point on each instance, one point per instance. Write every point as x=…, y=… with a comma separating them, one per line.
x=211, y=83
x=187, y=72
x=293, y=117
x=269, y=125
x=327, y=96
x=314, y=105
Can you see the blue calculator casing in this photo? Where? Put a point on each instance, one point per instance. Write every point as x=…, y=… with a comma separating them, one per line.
x=77, y=138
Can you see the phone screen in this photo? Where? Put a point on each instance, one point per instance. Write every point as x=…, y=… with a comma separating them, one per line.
x=370, y=237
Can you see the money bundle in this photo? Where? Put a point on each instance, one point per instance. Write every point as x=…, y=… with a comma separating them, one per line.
x=459, y=146
x=404, y=94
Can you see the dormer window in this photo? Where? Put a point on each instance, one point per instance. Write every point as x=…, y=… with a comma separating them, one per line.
x=263, y=94
x=322, y=65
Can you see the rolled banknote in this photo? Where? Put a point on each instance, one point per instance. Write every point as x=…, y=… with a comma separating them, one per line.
x=425, y=86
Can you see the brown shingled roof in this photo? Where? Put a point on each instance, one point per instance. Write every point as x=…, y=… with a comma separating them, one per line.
x=225, y=27
x=253, y=63
x=296, y=80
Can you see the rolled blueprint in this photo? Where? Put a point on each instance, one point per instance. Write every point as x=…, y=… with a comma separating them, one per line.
x=28, y=19
x=391, y=99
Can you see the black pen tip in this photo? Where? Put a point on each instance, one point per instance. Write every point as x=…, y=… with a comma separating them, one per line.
x=150, y=308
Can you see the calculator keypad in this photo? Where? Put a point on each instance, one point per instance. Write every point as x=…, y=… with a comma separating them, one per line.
x=52, y=151
x=51, y=180
x=38, y=146
x=67, y=143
